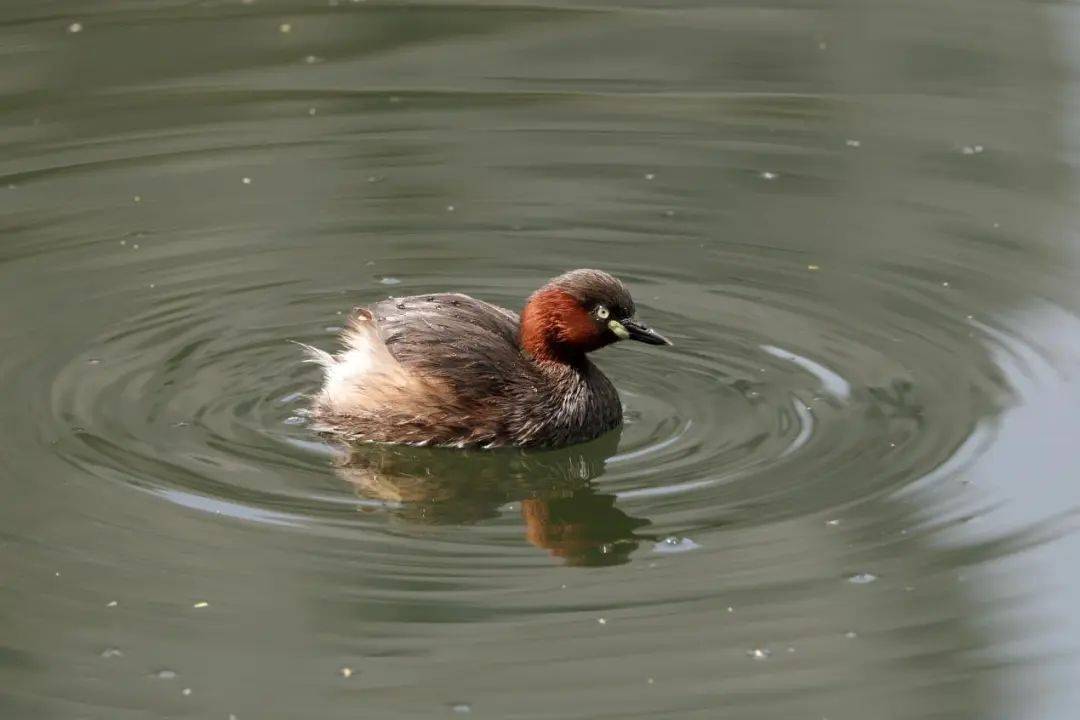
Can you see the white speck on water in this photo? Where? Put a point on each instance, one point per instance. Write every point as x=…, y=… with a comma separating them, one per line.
x=165, y=675
x=152, y=286
x=312, y=59
x=650, y=680
x=388, y=280
x=285, y=28
x=759, y=653
x=823, y=46
x=768, y=175
x=851, y=634
x=675, y=544
x=75, y=27
x=112, y=653
x=137, y=198
x=853, y=143
x=813, y=268
x=862, y=578
x=395, y=99
x=450, y=208
x=346, y=672
x=311, y=111
x=790, y=649
x=945, y=284
x=971, y=149
x=291, y=397
x=832, y=523
x=650, y=176
x=461, y=708
x=246, y=181
x=94, y=361
x=374, y=179
x=563, y=586
x=997, y=225
x=602, y=621
x=333, y=328
x=57, y=573
x=135, y=246
x=606, y=549
x=730, y=609
x=186, y=692
x=669, y=213
x=201, y=604
x=111, y=603
x=294, y=420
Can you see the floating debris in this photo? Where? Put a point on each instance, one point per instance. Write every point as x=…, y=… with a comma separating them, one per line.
x=112, y=653
x=602, y=621
x=759, y=653
x=285, y=28
x=450, y=208
x=388, y=280
x=862, y=578
x=853, y=143
x=972, y=149
x=201, y=604
x=75, y=27
x=312, y=59
x=675, y=544
x=294, y=420
x=461, y=708
x=650, y=176
x=851, y=634
x=165, y=675
x=246, y=181
x=769, y=175
x=832, y=523
x=346, y=672
x=111, y=603
x=186, y=692
x=813, y=268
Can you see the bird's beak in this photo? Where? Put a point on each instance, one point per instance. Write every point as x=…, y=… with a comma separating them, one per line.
x=633, y=330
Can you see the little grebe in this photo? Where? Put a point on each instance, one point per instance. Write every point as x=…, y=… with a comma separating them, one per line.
x=451, y=370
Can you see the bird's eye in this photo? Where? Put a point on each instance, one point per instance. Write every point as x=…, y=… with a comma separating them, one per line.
x=602, y=312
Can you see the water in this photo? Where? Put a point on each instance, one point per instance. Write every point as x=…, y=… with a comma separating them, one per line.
x=857, y=223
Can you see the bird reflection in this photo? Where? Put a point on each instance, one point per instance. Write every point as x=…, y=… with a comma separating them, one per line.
x=562, y=512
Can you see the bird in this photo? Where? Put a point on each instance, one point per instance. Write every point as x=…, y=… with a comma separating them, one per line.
x=449, y=370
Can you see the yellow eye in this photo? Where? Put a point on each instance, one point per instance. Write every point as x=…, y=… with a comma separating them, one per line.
x=602, y=312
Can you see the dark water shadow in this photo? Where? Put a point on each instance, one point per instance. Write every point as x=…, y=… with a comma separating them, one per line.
x=562, y=511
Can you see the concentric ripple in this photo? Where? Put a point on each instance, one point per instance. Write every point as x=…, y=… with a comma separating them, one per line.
x=772, y=403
